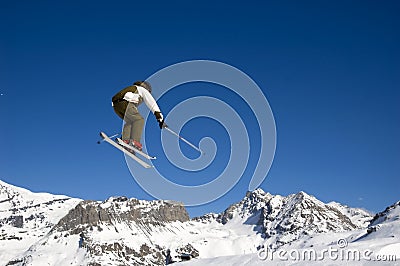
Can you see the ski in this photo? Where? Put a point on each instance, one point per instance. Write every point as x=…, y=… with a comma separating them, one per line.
x=145, y=155
x=116, y=145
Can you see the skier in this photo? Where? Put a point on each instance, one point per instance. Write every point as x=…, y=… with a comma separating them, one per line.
x=125, y=104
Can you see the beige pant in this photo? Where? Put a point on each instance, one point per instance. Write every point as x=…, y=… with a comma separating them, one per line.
x=134, y=122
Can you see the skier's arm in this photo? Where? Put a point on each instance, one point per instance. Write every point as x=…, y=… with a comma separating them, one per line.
x=148, y=100
x=152, y=105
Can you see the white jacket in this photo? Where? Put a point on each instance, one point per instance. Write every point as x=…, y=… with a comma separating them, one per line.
x=142, y=95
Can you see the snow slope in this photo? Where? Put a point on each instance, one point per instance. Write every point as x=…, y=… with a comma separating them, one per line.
x=26, y=217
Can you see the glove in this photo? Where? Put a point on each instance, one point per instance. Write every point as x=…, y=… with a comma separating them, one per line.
x=160, y=119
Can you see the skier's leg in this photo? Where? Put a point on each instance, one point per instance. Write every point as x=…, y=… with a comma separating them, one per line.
x=120, y=109
x=136, y=122
x=137, y=128
x=126, y=131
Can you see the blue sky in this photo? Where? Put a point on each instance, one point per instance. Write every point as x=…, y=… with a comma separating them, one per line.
x=329, y=70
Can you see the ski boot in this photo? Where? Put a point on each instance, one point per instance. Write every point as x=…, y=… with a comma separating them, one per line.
x=137, y=145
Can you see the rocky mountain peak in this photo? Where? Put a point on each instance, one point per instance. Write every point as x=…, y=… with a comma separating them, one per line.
x=286, y=219
x=391, y=213
x=121, y=209
x=257, y=194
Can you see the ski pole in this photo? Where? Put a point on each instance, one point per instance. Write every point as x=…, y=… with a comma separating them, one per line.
x=183, y=139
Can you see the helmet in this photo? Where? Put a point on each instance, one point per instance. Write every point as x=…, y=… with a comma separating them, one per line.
x=143, y=84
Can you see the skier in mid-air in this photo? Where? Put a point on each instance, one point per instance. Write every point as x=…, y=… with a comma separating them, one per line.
x=125, y=104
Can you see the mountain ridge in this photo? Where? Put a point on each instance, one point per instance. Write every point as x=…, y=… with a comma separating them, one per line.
x=122, y=230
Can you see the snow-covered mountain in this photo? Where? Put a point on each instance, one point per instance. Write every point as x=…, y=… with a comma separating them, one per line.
x=360, y=217
x=376, y=244
x=25, y=217
x=44, y=229
x=282, y=220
